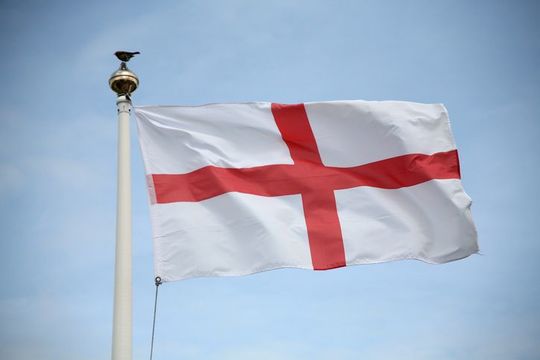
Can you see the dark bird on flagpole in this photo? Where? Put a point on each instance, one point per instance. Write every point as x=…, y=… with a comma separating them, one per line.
x=125, y=55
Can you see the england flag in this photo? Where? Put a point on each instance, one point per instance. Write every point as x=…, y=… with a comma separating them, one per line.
x=242, y=188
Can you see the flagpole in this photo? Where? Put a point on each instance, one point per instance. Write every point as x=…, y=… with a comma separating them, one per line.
x=123, y=82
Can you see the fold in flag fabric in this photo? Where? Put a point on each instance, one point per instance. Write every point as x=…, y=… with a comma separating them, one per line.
x=241, y=188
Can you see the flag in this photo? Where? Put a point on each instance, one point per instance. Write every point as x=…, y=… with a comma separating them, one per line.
x=242, y=188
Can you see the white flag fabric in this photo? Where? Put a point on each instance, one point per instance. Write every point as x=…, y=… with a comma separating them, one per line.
x=241, y=188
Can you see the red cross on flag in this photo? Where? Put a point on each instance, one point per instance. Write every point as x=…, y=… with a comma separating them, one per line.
x=241, y=188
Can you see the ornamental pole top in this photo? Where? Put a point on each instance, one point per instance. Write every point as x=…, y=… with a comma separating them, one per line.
x=123, y=81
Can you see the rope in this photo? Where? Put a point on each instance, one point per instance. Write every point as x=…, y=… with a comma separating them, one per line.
x=158, y=282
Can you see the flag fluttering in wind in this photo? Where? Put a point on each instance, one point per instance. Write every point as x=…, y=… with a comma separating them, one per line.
x=241, y=188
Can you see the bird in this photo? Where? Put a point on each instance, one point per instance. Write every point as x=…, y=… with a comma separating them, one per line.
x=125, y=55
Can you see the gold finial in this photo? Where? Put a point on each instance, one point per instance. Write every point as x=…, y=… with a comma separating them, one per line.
x=123, y=81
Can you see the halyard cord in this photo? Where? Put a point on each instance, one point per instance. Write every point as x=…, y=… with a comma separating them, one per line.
x=158, y=282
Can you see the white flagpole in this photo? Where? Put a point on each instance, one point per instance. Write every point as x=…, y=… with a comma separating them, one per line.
x=123, y=82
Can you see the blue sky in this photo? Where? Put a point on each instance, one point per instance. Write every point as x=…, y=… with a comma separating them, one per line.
x=58, y=163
